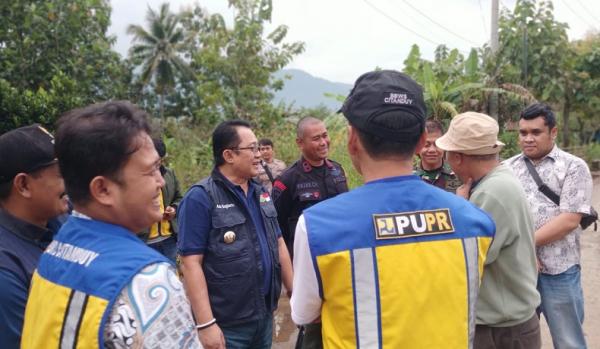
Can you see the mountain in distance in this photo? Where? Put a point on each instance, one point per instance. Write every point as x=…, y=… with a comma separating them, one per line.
x=305, y=90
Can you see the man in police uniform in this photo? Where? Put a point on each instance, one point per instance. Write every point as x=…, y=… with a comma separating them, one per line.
x=383, y=264
x=431, y=166
x=310, y=180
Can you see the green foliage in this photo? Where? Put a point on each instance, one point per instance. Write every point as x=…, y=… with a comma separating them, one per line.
x=24, y=107
x=511, y=141
x=55, y=55
x=158, y=51
x=41, y=39
x=189, y=149
x=234, y=66
x=592, y=152
x=534, y=49
x=451, y=84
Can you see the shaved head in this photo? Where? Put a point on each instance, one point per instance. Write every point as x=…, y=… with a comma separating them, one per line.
x=303, y=123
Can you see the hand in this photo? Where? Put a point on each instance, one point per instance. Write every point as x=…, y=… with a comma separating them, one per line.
x=212, y=337
x=169, y=213
x=464, y=191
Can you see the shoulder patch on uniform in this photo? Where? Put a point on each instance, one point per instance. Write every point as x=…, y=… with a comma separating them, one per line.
x=279, y=185
x=411, y=224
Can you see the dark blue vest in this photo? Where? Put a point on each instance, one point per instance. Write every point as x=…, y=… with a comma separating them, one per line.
x=233, y=271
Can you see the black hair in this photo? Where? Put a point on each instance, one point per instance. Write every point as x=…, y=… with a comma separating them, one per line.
x=97, y=141
x=160, y=146
x=380, y=148
x=265, y=142
x=536, y=110
x=433, y=125
x=5, y=188
x=225, y=136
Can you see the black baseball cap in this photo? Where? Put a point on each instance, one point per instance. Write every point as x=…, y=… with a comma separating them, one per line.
x=24, y=150
x=383, y=92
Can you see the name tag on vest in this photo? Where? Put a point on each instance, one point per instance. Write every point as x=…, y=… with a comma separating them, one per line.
x=411, y=224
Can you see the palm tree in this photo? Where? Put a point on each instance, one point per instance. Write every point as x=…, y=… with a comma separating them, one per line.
x=158, y=51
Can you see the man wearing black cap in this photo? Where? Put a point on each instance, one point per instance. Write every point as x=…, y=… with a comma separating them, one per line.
x=395, y=263
x=31, y=196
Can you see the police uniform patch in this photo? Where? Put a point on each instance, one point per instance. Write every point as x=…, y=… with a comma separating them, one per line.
x=410, y=224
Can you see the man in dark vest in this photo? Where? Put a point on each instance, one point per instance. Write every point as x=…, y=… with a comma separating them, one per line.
x=310, y=180
x=233, y=257
x=32, y=195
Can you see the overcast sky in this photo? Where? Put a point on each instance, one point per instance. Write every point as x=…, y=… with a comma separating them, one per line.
x=345, y=38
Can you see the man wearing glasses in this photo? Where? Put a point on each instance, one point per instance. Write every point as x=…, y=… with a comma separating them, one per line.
x=233, y=256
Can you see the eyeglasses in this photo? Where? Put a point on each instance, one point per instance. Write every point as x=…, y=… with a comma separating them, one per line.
x=254, y=148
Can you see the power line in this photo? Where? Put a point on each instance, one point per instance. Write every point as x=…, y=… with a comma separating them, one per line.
x=482, y=18
x=398, y=23
x=576, y=14
x=439, y=25
x=587, y=10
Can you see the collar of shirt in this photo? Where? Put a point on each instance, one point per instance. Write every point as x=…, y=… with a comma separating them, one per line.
x=24, y=229
x=552, y=155
x=80, y=215
x=307, y=167
x=234, y=187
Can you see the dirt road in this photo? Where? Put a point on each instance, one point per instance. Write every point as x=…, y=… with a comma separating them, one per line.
x=285, y=331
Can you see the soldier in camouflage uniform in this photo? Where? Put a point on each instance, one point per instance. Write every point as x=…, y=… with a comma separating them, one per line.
x=430, y=166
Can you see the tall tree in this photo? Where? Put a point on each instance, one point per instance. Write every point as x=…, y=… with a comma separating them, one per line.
x=535, y=52
x=55, y=55
x=586, y=84
x=158, y=51
x=234, y=66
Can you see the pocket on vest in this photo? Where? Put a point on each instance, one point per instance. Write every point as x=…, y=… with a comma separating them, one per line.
x=230, y=297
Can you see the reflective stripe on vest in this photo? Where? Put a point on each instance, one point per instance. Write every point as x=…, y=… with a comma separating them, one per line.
x=402, y=294
x=72, y=320
x=162, y=228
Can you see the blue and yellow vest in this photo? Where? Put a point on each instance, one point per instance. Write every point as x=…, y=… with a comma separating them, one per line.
x=79, y=276
x=398, y=262
x=162, y=228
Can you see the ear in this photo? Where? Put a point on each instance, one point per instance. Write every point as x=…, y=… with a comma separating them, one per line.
x=353, y=141
x=421, y=142
x=21, y=185
x=103, y=190
x=553, y=132
x=228, y=155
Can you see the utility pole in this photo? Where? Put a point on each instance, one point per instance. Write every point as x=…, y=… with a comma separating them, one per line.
x=494, y=31
x=494, y=47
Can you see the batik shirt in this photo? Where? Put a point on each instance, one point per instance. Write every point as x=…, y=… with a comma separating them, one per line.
x=569, y=177
x=152, y=312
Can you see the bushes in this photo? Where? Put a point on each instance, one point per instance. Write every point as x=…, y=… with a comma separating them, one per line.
x=189, y=147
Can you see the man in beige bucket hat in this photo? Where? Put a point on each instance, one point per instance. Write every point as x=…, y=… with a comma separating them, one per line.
x=508, y=297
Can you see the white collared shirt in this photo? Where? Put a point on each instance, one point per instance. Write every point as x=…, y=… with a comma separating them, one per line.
x=569, y=177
